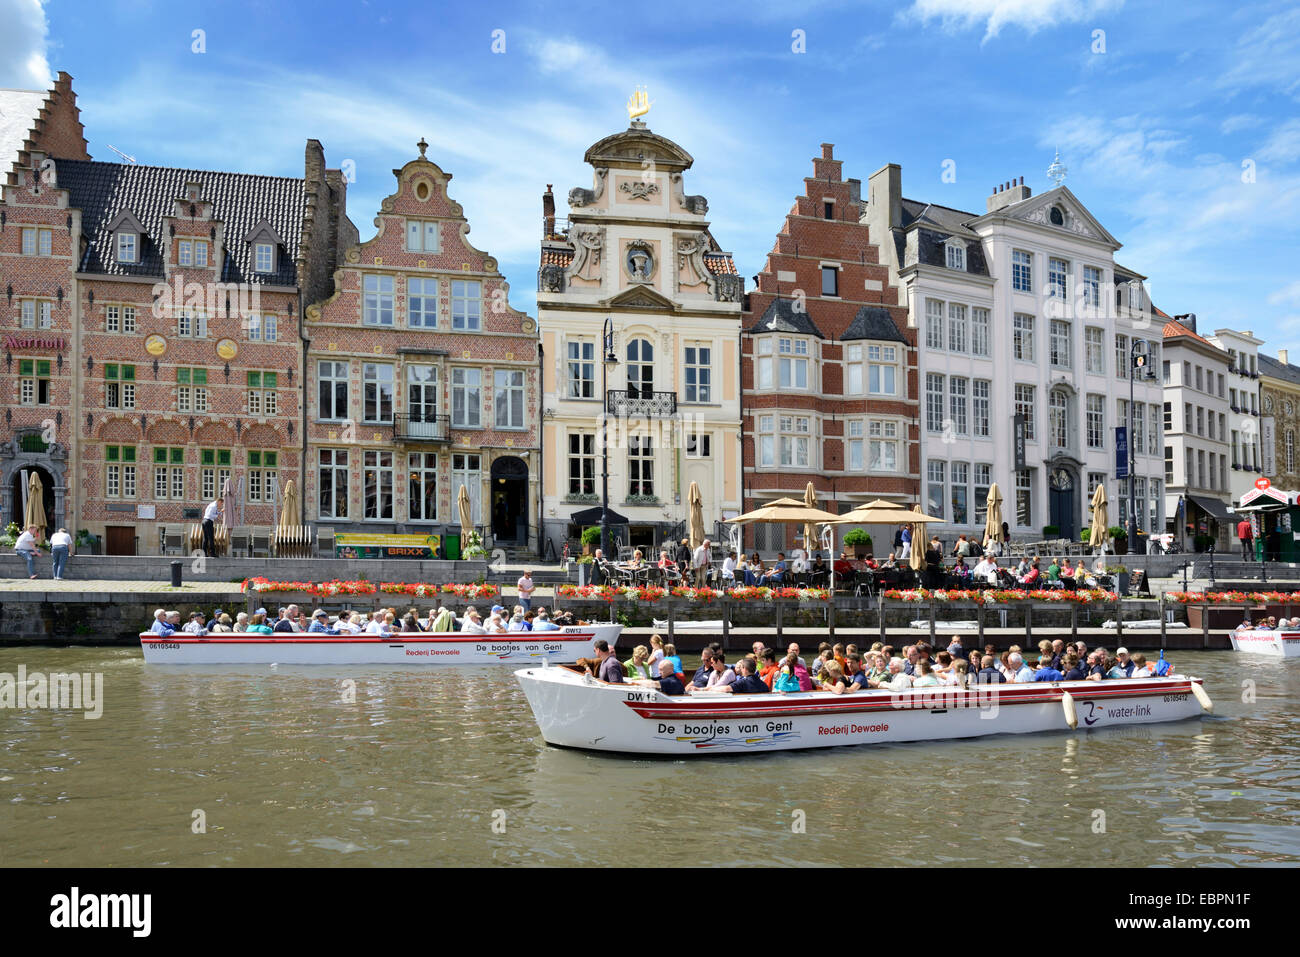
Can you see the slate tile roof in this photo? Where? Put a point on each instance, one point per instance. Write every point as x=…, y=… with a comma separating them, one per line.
x=240, y=200
x=1271, y=367
x=873, y=322
x=780, y=316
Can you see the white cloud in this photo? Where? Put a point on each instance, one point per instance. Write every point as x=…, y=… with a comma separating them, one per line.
x=1239, y=121
x=1289, y=294
x=1283, y=146
x=23, y=44
x=1268, y=56
x=1029, y=15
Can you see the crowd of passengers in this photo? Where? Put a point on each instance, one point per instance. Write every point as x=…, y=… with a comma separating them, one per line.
x=843, y=669
x=384, y=621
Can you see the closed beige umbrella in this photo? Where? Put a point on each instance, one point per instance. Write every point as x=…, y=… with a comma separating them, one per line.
x=1100, y=530
x=466, y=519
x=35, y=512
x=993, y=526
x=917, y=559
x=696, y=500
x=809, y=533
x=289, y=506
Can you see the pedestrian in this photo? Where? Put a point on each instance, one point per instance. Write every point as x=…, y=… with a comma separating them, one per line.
x=526, y=586
x=210, y=516
x=700, y=562
x=60, y=549
x=26, y=547
x=904, y=544
x=1247, y=535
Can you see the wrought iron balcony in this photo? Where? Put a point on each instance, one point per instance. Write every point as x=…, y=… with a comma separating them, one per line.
x=421, y=427
x=627, y=402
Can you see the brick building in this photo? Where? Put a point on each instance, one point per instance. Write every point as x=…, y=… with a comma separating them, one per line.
x=828, y=365
x=151, y=340
x=422, y=380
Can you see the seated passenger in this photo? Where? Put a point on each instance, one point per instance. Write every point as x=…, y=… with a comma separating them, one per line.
x=471, y=624
x=160, y=625
x=1075, y=670
x=923, y=675
x=1017, y=670
x=988, y=674
x=746, y=681
x=719, y=677
x=673, y=658
x=786, y=679
x=638, y=666
x=1123, y=663
x=1140, y=667
x=834, y=679
x=195, y=624
x=542, y=622
x=320, y=623
x=669, y=683
x=257, y=625
x=347, y=623
x=241, y=623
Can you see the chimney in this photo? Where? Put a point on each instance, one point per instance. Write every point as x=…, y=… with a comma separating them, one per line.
x=1188, y=320
x=828, y=151
x=855, y=191
x=1012, y=191
x=548, y=213
x=1281, y=357
x=885, y=190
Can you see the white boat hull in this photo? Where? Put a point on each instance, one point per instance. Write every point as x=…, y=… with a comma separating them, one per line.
x=577, y=711
x=1278, y=644
x=559, y=647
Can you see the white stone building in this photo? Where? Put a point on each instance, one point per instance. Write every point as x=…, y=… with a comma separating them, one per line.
x=1022, y=310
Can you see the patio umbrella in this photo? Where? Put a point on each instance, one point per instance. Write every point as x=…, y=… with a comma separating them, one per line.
x=696, y=501
x=809, y=533
x=466, y=519
x=993, y=527
x=35, y=513
x=784, y=510
x=289, y=508
x=917, y=559
x=227, y=503
x=1100, y=519
x=881, y=512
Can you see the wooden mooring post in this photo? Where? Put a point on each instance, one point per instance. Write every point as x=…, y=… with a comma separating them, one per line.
x=726, y=625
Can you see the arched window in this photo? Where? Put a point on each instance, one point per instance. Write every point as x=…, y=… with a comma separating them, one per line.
x=640, y=368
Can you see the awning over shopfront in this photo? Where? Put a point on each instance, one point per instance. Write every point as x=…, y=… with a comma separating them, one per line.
x=1213, y=507
x=1265, y=500
x=591, y=516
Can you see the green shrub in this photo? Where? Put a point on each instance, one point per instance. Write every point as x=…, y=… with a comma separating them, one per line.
x=591, y=535
x=1117, y=531
x=857, y=537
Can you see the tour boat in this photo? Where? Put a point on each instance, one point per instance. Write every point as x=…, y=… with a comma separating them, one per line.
x=413, y=648
x=1279, y=644
x=575, y=710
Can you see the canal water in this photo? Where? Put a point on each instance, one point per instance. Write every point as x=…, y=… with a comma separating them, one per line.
x=444, y=766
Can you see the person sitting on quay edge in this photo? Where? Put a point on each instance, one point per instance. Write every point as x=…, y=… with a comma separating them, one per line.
x=1033, y=576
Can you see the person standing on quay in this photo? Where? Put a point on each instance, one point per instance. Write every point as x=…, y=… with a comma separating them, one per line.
x=60, y=549
x=1246, y=535
x=210, y=516
x=525, y=585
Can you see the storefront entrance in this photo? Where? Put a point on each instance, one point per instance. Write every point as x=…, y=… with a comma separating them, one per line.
x=1062, y=498
x=509, y=501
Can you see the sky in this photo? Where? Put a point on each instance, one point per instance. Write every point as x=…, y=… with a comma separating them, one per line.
x=1179, y=123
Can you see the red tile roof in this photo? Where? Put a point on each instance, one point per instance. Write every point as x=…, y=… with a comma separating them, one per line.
x=720, y=264
x=1173, y=329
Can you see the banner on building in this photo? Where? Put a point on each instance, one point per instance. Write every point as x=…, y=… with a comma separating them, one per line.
x=1121, y=452
x=1266, y=447
x=1018, y=431
x=374, y=545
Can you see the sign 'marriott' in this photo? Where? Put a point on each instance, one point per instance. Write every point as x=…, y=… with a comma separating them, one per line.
x=33, y=341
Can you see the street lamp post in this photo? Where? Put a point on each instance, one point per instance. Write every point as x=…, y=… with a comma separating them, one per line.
x=1137, y=367
x=607, y=359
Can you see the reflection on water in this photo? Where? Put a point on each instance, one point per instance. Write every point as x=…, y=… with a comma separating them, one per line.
x=428, y=767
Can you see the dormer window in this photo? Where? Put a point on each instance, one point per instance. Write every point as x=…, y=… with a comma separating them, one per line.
x=128, y=247
x=956, y=255
x=264, y=257
x=264, y=243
